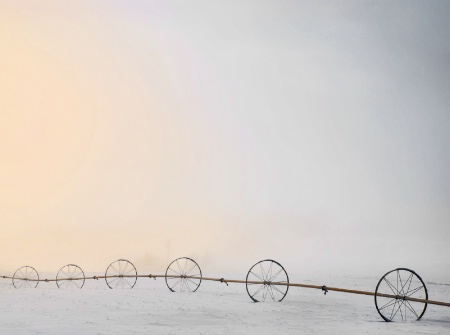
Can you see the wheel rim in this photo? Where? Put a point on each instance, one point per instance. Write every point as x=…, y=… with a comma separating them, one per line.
x=183, y=275
x=401, y=283
x=267, y=280
x=70, y=276
x=121, y=274
x=25, y=277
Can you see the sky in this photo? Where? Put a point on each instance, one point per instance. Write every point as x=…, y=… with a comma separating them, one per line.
x=315, y=133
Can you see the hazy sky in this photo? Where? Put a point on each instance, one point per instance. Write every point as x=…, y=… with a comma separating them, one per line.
x=316, y=133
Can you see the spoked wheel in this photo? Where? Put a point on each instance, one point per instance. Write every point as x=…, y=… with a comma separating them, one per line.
x=26, y=276
x=267, y=280
x=121, y=274
x=392, y=292
x=70, y=276
x=183, y=275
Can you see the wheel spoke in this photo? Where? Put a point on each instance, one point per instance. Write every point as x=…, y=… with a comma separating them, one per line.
x=258, y=290
x=269, y=288
x=264, y=292
x=112, y=266
x=76, y=284
x=185, y=266
x=410, y=293
x=407, y=304
x=196, y=284
x=400, y=309
x=176, y=272
x=257, y=276
x=389, y=303
x=276, y=289
x=409, y=286
x=179, y=267
x=64, y=283
x=195, y=275
x=400, y=280
x=273, y=277
x=393, y=289
x=187, y=285
x=130, y=271
x=269, y=274
x=402, y=292
x=190, y=270
x=263, y=272
x=393, y=309
x=114, y=279
x=177, y=282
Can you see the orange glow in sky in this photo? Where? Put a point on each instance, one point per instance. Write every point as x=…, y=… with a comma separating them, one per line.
x=300, y=131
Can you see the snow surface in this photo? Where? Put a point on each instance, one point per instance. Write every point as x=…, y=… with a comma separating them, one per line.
x=214, y=309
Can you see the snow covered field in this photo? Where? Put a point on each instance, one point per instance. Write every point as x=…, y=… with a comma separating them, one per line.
x=150, y=308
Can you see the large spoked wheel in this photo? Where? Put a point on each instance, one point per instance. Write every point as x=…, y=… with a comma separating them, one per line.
x=183, y=275
x=70, y=276
x=25, y=277
x=121, y=274
x=267, y=280
x=393, y=291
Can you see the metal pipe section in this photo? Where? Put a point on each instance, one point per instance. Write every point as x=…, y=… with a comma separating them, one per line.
x=336, y=289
